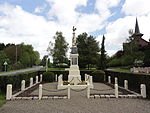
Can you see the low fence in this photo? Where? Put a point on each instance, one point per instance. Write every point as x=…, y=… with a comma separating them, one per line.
x=10, y=96
x=134, y=80
x=15, y=80
x=9, y=91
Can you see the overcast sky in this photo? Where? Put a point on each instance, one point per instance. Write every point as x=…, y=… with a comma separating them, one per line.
x=36, y=21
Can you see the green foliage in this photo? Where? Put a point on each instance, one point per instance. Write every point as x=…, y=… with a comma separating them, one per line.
x=3, y=58
x=15, y=80
x=60, y=49
x=98, y=76
x=48, y=77
x=126, y=60
x=134, y=80
x=18, y=56
x=88, y=49
x=103, y=55
x=2, y=99
x=147, y=56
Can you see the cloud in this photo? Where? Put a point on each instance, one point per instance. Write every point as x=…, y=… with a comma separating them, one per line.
x=136, y=7
x=103, y=7
x=40, y=9
x=18, y=26
x=117, y=31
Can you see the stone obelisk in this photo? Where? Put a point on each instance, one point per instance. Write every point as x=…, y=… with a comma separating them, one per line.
x=74, y=72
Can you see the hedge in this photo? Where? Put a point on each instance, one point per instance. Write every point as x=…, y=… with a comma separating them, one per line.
x=134, y=80
x=97, y=75
x=15, y=80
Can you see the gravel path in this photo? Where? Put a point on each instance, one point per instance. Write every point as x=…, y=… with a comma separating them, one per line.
x=77, y=104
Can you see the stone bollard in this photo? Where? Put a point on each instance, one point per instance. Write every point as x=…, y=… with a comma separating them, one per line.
x=88, y=91
x=68, y=91
x=22, y=85
x=60, y=81
x=125, y=84
x=85, y=77
x=56, y=77
x=41, y=77
x=91, y=80
x=143, y=90
x=116, y=90
x=31, y=82
x=109, y=79
x=37, y=79
x=9, y=92
x=40, y=91
x=116, y=80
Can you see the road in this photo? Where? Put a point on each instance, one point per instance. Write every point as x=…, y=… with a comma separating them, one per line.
x=37, y=68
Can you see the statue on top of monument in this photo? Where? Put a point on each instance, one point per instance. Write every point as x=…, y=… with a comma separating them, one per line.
x=74, y=43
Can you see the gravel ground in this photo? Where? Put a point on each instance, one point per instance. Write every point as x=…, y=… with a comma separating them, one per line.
x=77, y=104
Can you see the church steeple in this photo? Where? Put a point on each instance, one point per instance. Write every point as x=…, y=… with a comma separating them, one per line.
x=137, y=30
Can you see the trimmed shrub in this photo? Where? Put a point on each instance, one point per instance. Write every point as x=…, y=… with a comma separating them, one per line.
x=15, y=80
x=98, y=76
x=48, y=77
x=134, y=80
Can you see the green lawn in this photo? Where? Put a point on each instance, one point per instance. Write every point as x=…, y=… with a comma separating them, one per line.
x=54, y=69
x=122, y=69
x=2, y=99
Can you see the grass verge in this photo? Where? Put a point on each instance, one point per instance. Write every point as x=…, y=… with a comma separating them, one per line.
x=122, y=69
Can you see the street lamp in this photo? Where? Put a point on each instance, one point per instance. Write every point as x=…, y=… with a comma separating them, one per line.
x=5, y=64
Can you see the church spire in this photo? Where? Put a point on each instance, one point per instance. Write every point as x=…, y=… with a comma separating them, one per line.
x=137, y=30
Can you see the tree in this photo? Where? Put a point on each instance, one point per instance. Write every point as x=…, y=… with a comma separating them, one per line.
x=2, y=46
x=60, y=49
x=28, y=57
x=88, y=49
x=3, y=58
x=103, y=54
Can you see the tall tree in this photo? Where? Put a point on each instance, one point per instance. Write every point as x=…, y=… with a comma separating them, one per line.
x=103, y=54
x=88, y=49
x=60, y=49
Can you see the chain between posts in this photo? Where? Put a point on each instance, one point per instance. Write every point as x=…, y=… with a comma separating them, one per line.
x=78, y=90
x=53, y=90
x=102, y=89
x=79, y=79
x=71, y=80
x=88, y=78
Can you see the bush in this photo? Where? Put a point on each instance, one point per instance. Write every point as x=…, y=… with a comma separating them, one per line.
x=134, y=80
x=48, y=77
x=98, y=76
x=15, y=80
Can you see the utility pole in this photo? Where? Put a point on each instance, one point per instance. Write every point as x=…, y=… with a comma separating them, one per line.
x=16, y=53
